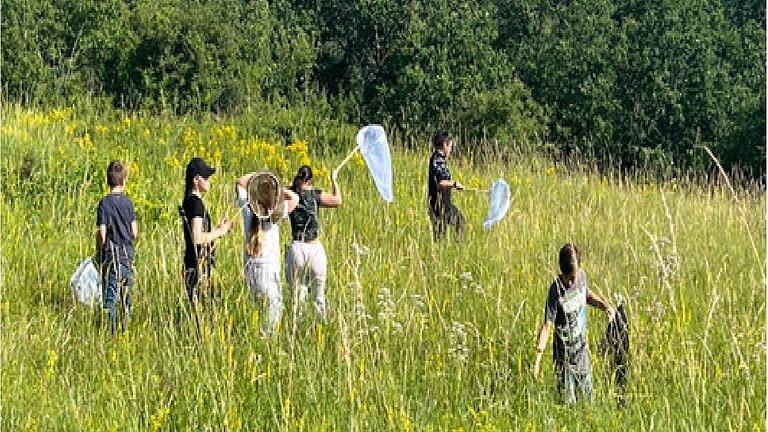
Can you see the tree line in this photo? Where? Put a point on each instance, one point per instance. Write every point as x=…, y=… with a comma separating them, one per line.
x=626, y=82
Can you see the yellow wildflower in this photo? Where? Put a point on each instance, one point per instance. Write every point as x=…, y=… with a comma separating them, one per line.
x=158, y=418
x=53, y=358
x=358, y=158
x=299, y=147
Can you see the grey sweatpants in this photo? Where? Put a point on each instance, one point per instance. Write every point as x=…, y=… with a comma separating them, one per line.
x=305, y=269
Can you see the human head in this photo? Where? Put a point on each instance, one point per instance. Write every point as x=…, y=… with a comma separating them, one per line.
x=197, y=175
x=116, y=174
x=569, y=260
x=442, y=141
x=303, y=175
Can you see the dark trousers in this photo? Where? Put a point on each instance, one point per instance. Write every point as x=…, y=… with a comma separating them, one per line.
x=197, y=281
x=443, y=218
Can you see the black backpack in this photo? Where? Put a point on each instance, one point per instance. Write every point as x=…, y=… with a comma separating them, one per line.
x=615, y=347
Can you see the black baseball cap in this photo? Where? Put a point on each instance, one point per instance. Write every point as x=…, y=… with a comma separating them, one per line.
x=197, y=167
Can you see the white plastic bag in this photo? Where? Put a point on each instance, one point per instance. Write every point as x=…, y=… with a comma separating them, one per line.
x=85, y=284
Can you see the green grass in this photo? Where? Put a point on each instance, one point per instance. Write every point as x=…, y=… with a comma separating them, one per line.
x=419, y=336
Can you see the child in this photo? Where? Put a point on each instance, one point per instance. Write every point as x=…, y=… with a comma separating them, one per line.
x=117, y=229
x=198, y=235
x=442, y=212
x=264, y=203
x=566, y=308
x=306, y=263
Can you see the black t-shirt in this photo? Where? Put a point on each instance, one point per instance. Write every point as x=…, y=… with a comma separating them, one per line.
x=439, y=199
x=305, y=218
x=193, y=207
x=115, y=211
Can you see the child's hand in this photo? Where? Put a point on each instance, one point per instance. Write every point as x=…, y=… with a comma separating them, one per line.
x=537, y=366
x=224, y=226
x=610, y=312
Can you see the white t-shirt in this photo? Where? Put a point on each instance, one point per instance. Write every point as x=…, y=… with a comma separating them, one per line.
x=270, y=252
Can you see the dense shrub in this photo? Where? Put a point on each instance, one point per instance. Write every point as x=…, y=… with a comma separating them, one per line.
x=630, y=82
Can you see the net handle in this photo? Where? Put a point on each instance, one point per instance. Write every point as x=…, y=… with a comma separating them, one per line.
x=346, y=159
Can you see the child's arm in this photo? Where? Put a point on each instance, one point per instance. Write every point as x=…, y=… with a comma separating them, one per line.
x=442, y=176
x=449, y=184
x=101, y=238
x=594, y=300
x=134, y=229
x=199, y=237
x=243, y=181
x=541, y=343
x=291, y=199
x=334, y=199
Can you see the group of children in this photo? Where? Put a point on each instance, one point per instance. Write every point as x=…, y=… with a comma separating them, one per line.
x=264, y=203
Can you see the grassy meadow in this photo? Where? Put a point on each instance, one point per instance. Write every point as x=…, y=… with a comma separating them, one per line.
x=420, y=337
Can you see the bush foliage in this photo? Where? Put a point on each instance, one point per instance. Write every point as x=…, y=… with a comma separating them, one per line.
x=634, y=82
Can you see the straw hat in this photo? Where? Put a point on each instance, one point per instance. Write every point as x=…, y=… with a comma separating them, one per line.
x=265, y=195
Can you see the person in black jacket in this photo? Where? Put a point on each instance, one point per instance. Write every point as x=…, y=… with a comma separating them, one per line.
x=442, y=212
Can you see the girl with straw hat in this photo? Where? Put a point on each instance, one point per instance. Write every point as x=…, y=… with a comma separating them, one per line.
x=264, y=203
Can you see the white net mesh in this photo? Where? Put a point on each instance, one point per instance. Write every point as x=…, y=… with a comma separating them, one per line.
x=375, y=150
x=499, y=196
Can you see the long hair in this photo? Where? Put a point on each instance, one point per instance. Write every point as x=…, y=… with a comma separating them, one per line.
x=266, y=198
x=189, y=184
x=302, y=175
x=256, y=235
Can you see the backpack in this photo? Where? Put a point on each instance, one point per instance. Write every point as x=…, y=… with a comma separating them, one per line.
x=615, y=347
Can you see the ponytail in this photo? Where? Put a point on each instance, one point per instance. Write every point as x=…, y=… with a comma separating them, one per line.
x=255, y=238
x=302, y=175
x=189, y=183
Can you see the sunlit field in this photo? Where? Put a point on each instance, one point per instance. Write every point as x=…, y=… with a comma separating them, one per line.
x=420, y=336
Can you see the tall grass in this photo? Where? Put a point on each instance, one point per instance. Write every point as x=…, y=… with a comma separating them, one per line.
x=419, y=337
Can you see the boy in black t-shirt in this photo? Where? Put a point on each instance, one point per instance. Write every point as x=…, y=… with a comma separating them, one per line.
x=198, y=234
x=117, y=229
x=442, y=212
